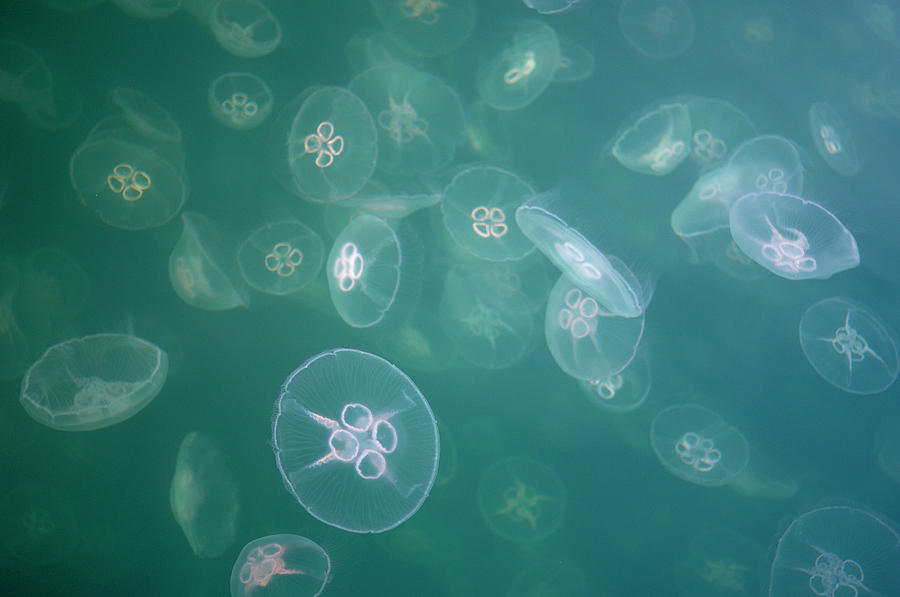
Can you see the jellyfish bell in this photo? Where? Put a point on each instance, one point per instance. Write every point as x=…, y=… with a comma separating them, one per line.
x=576, y=63
x=240, y=100
x=721, y=561
x=657, y=28
x=281, y=565
x=760, y=33
x=146, y=115
x=427, y=27
x=623, y=391
x=549, y=7
x=704, y=210
x=36, y=526
x=656, y=141
x=832, y=139
x=719, y=128
x=148, y=9
x=281, y=257
x=767, y=163
x=370, y=48
x=389, y=198
x=245, y=28
x=24, y=75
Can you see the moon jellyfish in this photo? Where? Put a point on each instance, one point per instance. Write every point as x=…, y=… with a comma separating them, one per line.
x=420, y=119
x=521, y=499
x=427, y=27
x=704, y=211
x=36, y=526
x=355, y=441
x=719, y=128
x=24, y=75
x=203, y=496
x=611, y=284
x=418, y=343
x=279, y=565
x=245, y=28
x=576, y=63
x=549, y=7
x=145, y=115
x=368, y=269
x=408, y=196
x=93, y=382
x=488, y=330
x=656, y=142
x=792, y=237
x=657, y=28
x=331, y=145
x=586, y=341
x=620, y=392
x=478, y=209
x=836, y=551
x=767, y=163
x=761, y=32
x=281, y=257
x=697, y=445
x=366, y=49
x=832, y=139
x=521, y=70
x=721, y=562
x=849, y=346
x=765, y=478
x=240, y=101
x=148, y=9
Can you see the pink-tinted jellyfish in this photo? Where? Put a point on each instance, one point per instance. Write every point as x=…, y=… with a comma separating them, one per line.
x=280, y=566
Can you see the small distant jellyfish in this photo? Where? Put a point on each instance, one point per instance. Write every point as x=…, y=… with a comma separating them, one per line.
x=36, y=526
x=882, y=17
x=836, y=551
x=656, y=142
x=93, y=382
x=278, y=565
x=240, y=101
x=521, y=499
x=427, y=27
x=479, y=207
x=792, y=237
x=332, y=145
x=281, y=257
x=761, y=33
x=520, y=71
x=697, y=445
x=245, y=28
x=203, y=496
x=623, y=391
x=657, y=28
x=720, y=562
x=576, y=63
x=355, y=441
x=849, y=346
x=831, y=138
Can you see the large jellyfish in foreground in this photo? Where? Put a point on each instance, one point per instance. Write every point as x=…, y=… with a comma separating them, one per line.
x=355, y=441
x=280, y=565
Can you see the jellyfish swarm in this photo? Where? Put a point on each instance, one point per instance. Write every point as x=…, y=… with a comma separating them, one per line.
x=836, y=551
x=478, y=207
x=521, y=499
x=657, y=28
x=831, y=138
x=240, y=101
x=697, y=445
x=280, y=565
x=355, y=441
x=848, y=346
x=427, y=27
x=792, y=237
x=93, y=382
x=281, y=257
x=656, y=142
x=420, y=118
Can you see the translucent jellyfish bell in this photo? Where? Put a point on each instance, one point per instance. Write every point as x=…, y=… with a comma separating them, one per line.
x=849, y=346
x=245, y=28
x=720, y=562
x=767, y=163
x=146, y=116
x=586, y=341
x=521, y=499
x=612, y=284
x=704, y=211
x=761, y=32
x=279, y=565
x=719, y=128
x=478, y=209
x=36, y=526
x=427, y=27
x=576, y=63
x=148, y=9
x=93, y=382
x=697, y=445
x=792, y=237
x=832, y=139
x=203, y=496
x=657, y=28
x=656, y=142
x=355, y=441
x=420, y=118
x=281, y=257
x=24, y=75
x=331, y=145
x=836, y=551
x=621, y=392
x=240, y=101
x=549, y=7
x=521, y=70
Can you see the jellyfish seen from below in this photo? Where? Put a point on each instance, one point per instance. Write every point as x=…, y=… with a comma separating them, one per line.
x=657, y=28
x=721, y=562
x=767, y=163
x=420, y=119
x=245, y=28
x=792, y=237
x=148, y=9
x=521, y=499
x=719, y=128
x=427, y=27
x=520, y=71
x=478, y=207
x=355, y=441
x=93, y=382
x=832, y=139
x=240, y=101
x=836, y=551
x=697, y=445
x=203, y=496
x=200, y=267
x=849, y=346
x=146, y=116
x=488, y=330
x=621, y=392
x=36, y=526
x=656, y=142
x=280, y=565
x=331, y=145
x=281, y=257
